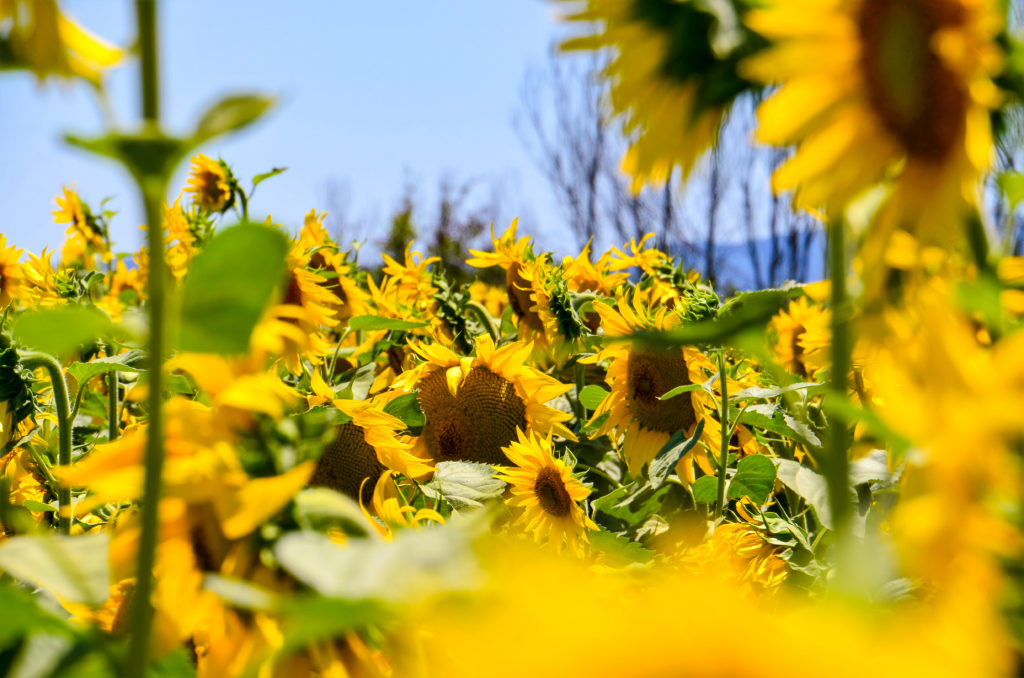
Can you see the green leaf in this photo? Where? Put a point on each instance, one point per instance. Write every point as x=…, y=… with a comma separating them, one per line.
x=633, y=504
x=326, y=504
x=758, y=393
x=1012, y=186
x=669, y=455
x=808, y=485
x=415, y=563
x=132, y=361
x=592, y=396
x=464, y=484
x=22, y=614
x=618, y=550
x=229, y=285
x=705, y=490
x=375, y=322
x=231, y=113
x=774, y=418
x=755, y=478
x=73, y=568
x=679, y=390
x=59, y=331
x=149, y=155
x=260, y=178
x=38, y=506
x=240, y=593
x=407, y=408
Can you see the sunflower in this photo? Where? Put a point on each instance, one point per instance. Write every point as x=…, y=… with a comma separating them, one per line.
x=491, y=297
x=211, y=184
x=41, y=283
x=85, y=235
x=802, y=337
x=875, y=90
x=657, y=87
x=639, y=376
x=473, y=406
x=46, y=41
x=363, y=448
x=11, y=276
x=515, y=257
x=545, y=495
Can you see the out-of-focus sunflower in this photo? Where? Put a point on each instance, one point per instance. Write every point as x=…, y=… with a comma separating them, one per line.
x=211, y=184
x=491, y=297
x=639, y=376
x=85, y=237
x=875, y=90
x=585, y=275
x=802, y=337
x=737, y=554
x=11, y=276
x=364, y=448
x=43, y=39
x=473, y=406
x=545, y=495
x=667, y=82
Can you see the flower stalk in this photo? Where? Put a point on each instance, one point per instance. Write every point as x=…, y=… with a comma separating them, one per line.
x=36, y=359
x=723, y=459
x=837, y=468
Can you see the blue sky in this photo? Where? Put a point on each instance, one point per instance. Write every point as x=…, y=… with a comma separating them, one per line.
x=374, y=95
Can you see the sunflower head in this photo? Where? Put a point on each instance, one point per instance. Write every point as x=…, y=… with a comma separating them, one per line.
x=544, y=494
x=11, y=276
x=211, y=184
x=802, y=337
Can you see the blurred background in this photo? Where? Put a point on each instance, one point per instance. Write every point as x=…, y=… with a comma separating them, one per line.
x=423, y=120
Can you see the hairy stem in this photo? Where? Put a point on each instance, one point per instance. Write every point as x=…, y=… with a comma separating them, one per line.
x=32, y=360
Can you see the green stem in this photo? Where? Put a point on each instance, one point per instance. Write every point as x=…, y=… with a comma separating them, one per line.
x=151, y=188
x=580, y=374
x=723, y=459
x=32, y=360
x=837, y=467
x=484, y=317
x=113, y=425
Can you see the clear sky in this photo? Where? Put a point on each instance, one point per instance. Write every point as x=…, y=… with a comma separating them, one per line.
x=373, y=95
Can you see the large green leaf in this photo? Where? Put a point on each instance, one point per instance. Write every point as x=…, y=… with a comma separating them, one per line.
x=671, y=453
x=132, y=361
x=755, y=478
x=73, y=568
x=592, y=396
x=808, y=485
x=705, y=489
x=407, y=408
x=229, y=285
x=464, y=484
x=61, y=330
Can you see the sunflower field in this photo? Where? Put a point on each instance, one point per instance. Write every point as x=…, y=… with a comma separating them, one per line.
x=239, y=451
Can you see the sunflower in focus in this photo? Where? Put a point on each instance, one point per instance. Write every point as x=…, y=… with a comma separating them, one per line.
x=545, y=495
x=875, y=90
x=639, y=376
x=363, y=448
x=211, y=184
x=802, y=337
x=11, y=276
x=659, y=74
x=474, y=405
x=85, y=234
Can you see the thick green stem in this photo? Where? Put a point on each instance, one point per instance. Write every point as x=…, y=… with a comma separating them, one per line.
x=723, y=458
x=151, y=188
x=113, y=425
x=32, y=360
x=837, y=467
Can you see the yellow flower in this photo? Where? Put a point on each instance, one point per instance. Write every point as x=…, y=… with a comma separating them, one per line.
x=210, y=183
x=737, y=554
x=390, y=506
x=11, y=276
x=473, y=406
x=875, y=90
x=802, y=337
x=364, y=448
x=545, y=495
x=84, y=236
x=493, y=298
x=46, y=41
x=639, y=376
x=40, y=280
x=652, y=86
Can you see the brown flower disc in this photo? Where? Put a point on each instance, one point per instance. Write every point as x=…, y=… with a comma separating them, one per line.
x=474, y=424
x=551, y=493
x=650, y=375
x=918, y=99
x=346, y=461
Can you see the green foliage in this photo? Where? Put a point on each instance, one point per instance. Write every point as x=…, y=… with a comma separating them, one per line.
x=59, y=331
x=229, y=114
x=15, y=387
x=463, y=484
x=73, y=568
x=678, y=445
x=132, y=361
x=592, y=396
x=755, y=478
x=229, y=285
x=373, y=323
